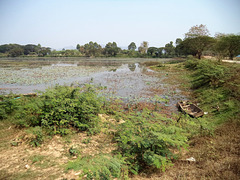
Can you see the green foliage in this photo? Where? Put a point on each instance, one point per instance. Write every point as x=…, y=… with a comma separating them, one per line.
x=92, y=49
x=191, y=64
x=144, y=142
x=132, y=46
x=227, y=45
x=60, y=108
x=7, y=105
x=38, y=136
x=111, y=49
x=217, y=89
x=87, y=140
x=15, y=50
x=208, y=73
x=73, y=151
x=102, y=167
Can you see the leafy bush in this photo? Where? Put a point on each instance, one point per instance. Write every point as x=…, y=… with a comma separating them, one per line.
x=37, y=138
x=73, y=151
x=146, y=143
x=62, y=107
x=191, y=64
x=102, y=167
x=7, y=105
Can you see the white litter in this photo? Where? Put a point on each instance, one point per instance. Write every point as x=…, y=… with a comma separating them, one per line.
x=191, y=159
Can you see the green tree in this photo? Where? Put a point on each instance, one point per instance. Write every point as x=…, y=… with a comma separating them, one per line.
x=30, y=48
x=111, y=49
x=153, y=51
x=227, y=45
x=17, y=51
x=78, y=47
x=197, y=40
x=178, y=50
x=132, y=46
x=169, y=49
x=92, y=49
x=44, y=51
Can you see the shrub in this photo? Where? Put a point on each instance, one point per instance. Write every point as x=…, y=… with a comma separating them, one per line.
x=37, y=138
x=102, y=167
x=7, y=105
x=146, y=143
x=191, y=64
x=62, y=107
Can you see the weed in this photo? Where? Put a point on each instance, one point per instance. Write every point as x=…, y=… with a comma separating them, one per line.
x=8, y=104
x=102, y=167
x=145, y=140
x=73, y=151
x=38, y=136
x=87, y=140
x=36, y=158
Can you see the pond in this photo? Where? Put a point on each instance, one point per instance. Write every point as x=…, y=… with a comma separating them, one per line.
x=125, y=79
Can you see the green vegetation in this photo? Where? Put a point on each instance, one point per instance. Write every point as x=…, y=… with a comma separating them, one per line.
x=60, y=108
x=143, y=138
x=197, y=42
x=102, y=167
x=216, y=86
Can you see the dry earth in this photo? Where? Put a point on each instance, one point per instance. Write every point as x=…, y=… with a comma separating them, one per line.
x=18, y=160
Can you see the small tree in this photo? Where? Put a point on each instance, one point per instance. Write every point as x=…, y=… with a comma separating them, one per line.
x=197, y=40
x=132, y=46
x=78, y=47
x=111, y=49
x=169, y=49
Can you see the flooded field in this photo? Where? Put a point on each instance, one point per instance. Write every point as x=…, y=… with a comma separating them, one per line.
x=126, y=79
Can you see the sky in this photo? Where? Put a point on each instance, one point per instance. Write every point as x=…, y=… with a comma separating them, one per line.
x=66, y=23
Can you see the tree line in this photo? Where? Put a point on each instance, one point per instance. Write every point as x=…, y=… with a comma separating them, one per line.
x=15, y=50
x=197, y=42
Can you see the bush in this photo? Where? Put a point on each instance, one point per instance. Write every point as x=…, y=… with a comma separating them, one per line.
x=37, y=138
x=102, y=167
x=191, y=64
x=7, y=106
x=146, y=143
x=62, y=107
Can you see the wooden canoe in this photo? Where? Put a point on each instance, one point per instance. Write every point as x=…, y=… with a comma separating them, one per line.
x=190, y=109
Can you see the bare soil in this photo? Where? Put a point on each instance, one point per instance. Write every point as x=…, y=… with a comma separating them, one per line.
x=19, y=160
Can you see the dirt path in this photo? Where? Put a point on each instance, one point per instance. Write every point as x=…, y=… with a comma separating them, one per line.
x=231, y=61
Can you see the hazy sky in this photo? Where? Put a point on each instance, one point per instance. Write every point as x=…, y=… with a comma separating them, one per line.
x=61, y=23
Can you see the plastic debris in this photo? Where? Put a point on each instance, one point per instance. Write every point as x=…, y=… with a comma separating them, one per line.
x=191, y=159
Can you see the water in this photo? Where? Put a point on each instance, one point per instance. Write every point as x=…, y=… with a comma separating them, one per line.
x=126, y=80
